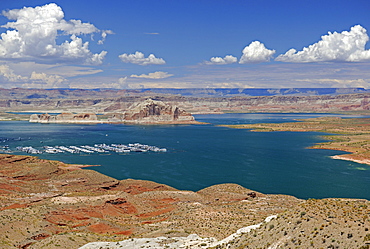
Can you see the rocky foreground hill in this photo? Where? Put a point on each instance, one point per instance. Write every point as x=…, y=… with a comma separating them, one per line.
x=49, y=204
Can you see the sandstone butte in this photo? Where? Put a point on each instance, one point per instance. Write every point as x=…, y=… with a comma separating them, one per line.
x=146, y=112
x=49, y=204
x=154, y=111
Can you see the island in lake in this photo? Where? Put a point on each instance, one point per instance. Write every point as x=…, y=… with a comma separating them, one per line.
x=147, y=112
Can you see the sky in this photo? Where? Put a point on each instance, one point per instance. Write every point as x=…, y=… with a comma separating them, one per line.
x=133, y=44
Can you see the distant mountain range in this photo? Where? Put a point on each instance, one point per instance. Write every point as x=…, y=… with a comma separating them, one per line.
x=194, y=101
x=58, y=93
x=232, y=92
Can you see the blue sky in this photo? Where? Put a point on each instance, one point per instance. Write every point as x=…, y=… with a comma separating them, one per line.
x=184, y=43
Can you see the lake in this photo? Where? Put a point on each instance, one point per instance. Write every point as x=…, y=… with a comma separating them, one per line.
x=199, y=156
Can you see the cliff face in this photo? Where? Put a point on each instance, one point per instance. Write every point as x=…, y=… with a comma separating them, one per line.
x=64, y=118
x=152, y=111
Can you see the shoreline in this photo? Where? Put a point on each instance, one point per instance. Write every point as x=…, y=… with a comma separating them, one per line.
x=343, y=157
x=75, y=166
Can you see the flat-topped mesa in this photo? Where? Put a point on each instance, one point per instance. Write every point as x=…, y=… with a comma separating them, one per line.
x=64, y=118
x=153, y=111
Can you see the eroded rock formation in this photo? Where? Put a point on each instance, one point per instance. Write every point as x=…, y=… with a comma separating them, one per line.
x=153, y=111
x=148, y=111
x=64, y=118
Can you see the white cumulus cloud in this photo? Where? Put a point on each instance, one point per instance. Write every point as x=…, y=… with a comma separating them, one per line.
x=139, y=59
x=228, y=59
x=48, y=81
x=155, y=75
x=35, y=80
x=104, y=34
x=340, y=83
x=348, y=46
x=256, y=52
x=8, y=75
x=33, y=34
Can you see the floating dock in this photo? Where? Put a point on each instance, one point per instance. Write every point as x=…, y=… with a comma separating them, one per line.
x=88, y=149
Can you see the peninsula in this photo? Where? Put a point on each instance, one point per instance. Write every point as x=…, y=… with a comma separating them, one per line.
x=351, y=134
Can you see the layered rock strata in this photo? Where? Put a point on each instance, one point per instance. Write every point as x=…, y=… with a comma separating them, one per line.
x=322, y=103
x=152, y=111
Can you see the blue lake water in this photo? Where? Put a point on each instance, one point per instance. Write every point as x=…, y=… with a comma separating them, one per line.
x=203, y=155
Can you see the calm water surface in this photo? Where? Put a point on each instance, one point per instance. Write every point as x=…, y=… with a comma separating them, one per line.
x=203, y=155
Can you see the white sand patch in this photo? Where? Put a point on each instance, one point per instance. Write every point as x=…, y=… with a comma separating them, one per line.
x=343, y=157
x=78, y=199
x=192, y=241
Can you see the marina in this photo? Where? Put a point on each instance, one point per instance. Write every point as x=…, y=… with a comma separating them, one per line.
x=87, y=149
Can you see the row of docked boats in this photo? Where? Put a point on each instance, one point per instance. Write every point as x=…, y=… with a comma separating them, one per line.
x=29, y=150
x=97, y=148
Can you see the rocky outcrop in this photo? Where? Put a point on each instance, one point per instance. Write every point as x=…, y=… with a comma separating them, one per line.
x=64, y=118
x=153, y=111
